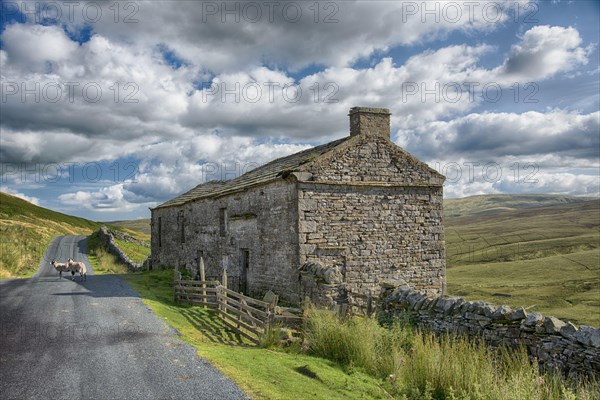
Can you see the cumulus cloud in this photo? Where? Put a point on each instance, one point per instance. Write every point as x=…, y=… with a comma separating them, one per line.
x=114, y=97
x=502, y=134
x=543, y=51
x=529, y=175
x=228, y=36
x=107, y=199
x=37, y=48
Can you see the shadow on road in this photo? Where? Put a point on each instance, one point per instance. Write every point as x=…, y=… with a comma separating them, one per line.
x=94, y=286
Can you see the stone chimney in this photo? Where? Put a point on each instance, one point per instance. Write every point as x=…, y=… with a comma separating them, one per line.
x=370, y=122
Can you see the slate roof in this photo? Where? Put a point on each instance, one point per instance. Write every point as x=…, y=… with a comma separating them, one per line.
x=262, y=174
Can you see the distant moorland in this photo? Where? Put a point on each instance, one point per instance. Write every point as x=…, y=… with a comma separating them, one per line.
x=537, y=250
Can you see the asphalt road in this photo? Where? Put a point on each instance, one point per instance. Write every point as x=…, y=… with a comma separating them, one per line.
x=65, y=339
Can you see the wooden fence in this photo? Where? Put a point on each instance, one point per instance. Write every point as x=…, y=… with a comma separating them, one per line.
x=201, y=293
x=249, y=317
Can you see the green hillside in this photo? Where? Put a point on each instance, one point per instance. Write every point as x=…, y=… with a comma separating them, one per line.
x=527, y=250
x=26, y=230
x=496, y=203
x=135, y=225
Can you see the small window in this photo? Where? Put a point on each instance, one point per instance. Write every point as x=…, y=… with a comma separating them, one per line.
x=245, y=259
x=223, y=221
x=159, y=231
x=181, y=223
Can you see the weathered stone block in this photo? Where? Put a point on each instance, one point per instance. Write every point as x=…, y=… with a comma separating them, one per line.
x=534, y=319
x=502, y=313
x=568, y=330
x=553, y=325
x=588, y=336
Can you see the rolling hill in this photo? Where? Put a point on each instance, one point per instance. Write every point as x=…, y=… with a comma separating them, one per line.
x=526, y=250
x=137, y=225
x=497, y=203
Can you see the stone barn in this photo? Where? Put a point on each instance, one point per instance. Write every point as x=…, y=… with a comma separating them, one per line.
x=330, y=223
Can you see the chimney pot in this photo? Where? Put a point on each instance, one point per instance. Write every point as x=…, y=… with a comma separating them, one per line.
x=370, y=122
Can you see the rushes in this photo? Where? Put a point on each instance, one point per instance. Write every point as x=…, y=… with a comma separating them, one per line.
x=355, y=342
x=418, y=365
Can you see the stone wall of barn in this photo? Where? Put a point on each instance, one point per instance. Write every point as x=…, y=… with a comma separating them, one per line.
x=373, y=212
x=259, y=223
x=371, y=234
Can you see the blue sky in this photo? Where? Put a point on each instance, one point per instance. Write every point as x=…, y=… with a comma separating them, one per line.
x=111, y=108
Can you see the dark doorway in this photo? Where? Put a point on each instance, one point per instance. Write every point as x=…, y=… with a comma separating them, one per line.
x=244, y=266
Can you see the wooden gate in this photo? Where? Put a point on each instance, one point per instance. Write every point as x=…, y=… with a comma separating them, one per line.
x=249, y=317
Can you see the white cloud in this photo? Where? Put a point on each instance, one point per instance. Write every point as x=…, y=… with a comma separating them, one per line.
x=107, y=199
x=333, y=33
x=495, y=135
x=36, y=47
x=542, y=52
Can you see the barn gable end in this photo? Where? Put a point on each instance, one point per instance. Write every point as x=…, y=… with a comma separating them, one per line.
x=330, y=223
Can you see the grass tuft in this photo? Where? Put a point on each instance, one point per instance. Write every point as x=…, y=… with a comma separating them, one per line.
x=356, y=342
x=103, y=262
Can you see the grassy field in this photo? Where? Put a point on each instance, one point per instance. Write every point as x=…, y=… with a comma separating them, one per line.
x=26, y=230
x=136, y=225
x=522, y=255
x=134, y=251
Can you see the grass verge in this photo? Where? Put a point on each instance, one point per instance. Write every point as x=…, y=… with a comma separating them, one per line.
x=356, y=358
x=134, y=251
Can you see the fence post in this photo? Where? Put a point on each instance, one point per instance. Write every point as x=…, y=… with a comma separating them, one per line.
x=176, y=281
x=224, y=298
x=240, y=310
x=271, y=317
x=203, y=279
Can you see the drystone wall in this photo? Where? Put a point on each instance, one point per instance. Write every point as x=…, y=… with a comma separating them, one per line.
x=555, y=344
x=107, y=238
